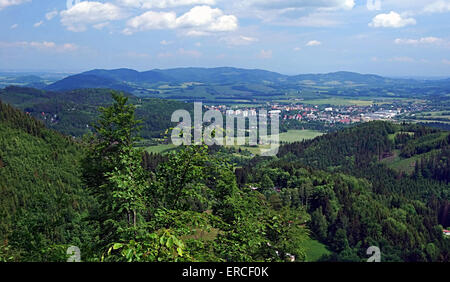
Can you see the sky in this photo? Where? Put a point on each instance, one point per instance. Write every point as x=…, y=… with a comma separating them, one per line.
x=386, y=37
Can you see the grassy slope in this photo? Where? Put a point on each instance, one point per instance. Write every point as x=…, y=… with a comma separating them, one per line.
x=315, y=250
x=287, y=137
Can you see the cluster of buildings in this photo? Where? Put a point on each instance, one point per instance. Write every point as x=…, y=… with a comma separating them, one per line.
x=332, y=115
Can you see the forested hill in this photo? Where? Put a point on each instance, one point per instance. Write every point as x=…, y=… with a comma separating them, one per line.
x=349, y=190
x=377, y=184
x=42, y=204
x=73, y=112
x=55, y=193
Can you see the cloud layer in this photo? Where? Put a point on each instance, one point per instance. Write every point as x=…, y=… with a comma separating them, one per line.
x=393, y=20
x=6, y=3
x=79, y=16
x=200, y=20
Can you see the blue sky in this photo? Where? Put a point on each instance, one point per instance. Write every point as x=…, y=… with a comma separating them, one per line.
x=387, y=37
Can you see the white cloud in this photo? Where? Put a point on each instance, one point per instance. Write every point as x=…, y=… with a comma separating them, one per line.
x=423, y=40
x=208, y=18
x=152, y=20
x=373, y=5
x=441, y=6
x=89, y=13
x=392, y=19
x=165, y=42
x=14, y=26
x=446, y=62
x=240, y=40
x=265, y=54
x=50, y=15
x=163, y=4
x=297, y=49
x=38, y=24
x=100, y=26
x=313, y=43
x=6, y=3
x=41, y=45
x=200, y=20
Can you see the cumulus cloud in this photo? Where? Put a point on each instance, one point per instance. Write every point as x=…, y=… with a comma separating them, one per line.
x=373, y=5
x=79, y=16
x=14, y=26
x=163, y=4
x=393, y=20
x=423, y=40
x=313, y=43
x=441, y=6
x=151, y=20
x=200, y=20
x=6, y=3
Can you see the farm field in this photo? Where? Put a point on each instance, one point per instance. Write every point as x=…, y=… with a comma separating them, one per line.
x=299, y=135
x=315, y=250
x=285, y=137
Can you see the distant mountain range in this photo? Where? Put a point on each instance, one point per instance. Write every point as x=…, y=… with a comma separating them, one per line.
x=124, y=79
x=227, y=84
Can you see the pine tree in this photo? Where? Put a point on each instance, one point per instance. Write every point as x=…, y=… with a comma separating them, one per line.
x=113, y=171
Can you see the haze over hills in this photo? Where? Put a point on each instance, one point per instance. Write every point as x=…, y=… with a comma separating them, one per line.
x=228, y=84
x=222, y=75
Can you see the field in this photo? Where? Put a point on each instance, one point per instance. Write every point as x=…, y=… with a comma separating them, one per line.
x=315, y=250
x=285, y=137
x=339, y=102
x=298, y=135
x=160, y=149
x=405, y=165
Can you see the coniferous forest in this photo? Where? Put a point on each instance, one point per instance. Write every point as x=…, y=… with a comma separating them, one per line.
x=116, y=203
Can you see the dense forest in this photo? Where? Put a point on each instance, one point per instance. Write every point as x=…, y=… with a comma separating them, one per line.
x=115, y=202
x=105, y=196
x=355, y=200
x=74, y=112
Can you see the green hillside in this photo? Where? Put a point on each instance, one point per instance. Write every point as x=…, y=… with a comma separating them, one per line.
x=42, y=202
x=74, y=112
